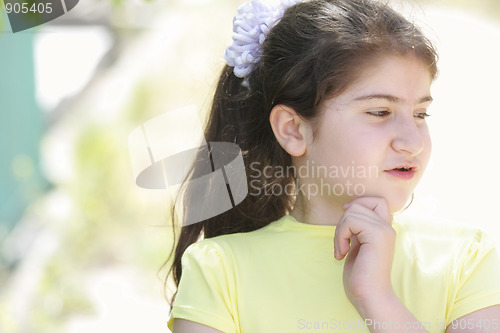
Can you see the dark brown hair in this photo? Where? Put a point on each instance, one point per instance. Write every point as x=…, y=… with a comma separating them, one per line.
x=314, y=52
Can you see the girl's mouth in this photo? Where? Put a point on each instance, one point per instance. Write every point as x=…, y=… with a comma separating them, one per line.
x=404, y=172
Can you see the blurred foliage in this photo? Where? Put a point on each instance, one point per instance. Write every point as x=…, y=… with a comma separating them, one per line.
x=60, y=295
x=7, y=322
x=112, y=222
x=105, y=229
x=140, y=106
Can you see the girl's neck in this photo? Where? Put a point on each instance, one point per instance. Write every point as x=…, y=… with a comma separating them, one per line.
x=317, y=210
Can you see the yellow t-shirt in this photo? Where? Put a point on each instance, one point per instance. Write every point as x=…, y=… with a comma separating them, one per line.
x=283, y=278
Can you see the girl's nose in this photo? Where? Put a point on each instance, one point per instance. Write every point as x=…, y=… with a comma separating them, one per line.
x=408, y=136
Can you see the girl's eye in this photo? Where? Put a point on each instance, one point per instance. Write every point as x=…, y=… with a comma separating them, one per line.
x=422, y=115
x=379, y=113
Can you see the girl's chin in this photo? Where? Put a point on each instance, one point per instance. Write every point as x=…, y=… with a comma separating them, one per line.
x=398, y=206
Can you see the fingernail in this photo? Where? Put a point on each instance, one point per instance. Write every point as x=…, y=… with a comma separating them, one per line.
x=337, y=255
x=346, y=205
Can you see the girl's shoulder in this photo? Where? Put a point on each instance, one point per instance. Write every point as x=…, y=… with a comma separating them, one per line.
x=426, y=225
x=435, y=235
x=229, y=251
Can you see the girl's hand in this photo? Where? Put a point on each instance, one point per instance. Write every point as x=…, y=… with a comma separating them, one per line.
x=366, y=235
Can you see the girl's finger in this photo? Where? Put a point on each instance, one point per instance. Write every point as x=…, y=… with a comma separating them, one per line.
x=376, y=204
x=359, y=209
x=349, y=225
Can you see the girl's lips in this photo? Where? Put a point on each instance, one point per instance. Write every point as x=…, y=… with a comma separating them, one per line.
x=406, y=175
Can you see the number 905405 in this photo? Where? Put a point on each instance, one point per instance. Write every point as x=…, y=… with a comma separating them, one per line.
x=26, y=8
x=471, y=324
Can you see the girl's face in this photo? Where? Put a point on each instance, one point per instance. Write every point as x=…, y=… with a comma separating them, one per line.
x=373, y=139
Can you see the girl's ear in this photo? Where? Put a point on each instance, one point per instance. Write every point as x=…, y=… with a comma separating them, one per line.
x=290, y=130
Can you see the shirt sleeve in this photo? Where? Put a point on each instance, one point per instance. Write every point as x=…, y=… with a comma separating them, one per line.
x=203, y=294
x=479, y=278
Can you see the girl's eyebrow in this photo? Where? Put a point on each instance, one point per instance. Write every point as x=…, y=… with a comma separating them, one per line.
x=391, y=98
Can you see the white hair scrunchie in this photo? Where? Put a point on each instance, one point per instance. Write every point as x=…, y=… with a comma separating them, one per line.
x=252, y=23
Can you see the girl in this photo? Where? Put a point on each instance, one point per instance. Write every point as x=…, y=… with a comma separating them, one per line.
x=329, y=99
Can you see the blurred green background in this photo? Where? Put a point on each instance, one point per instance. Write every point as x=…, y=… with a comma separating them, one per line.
x=82, y=246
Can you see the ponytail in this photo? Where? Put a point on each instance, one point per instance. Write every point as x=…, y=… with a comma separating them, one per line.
x=236, y=116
